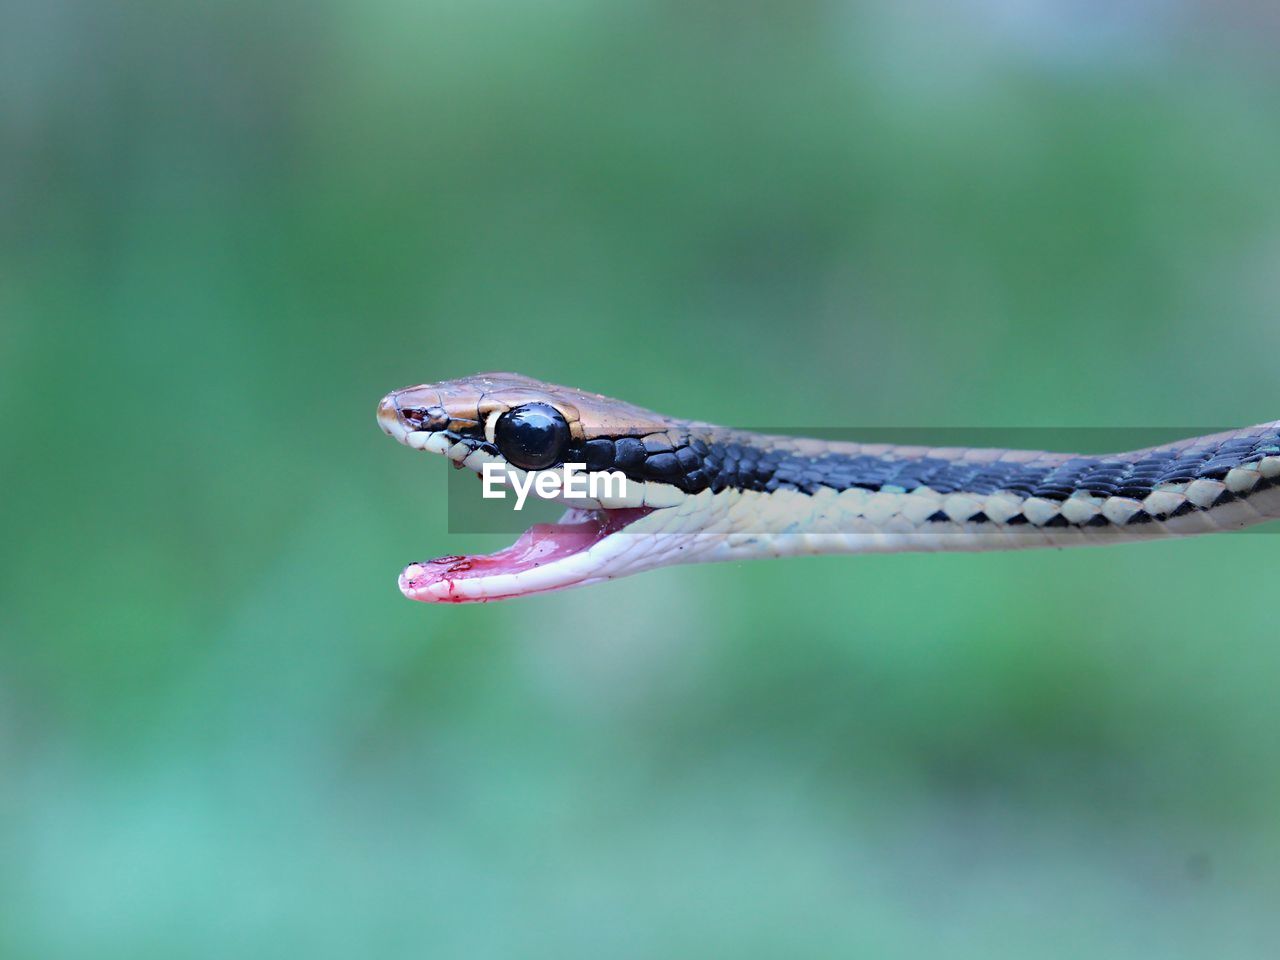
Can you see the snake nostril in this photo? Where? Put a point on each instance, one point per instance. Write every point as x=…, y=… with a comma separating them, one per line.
x=423, y=418
x=415, y=416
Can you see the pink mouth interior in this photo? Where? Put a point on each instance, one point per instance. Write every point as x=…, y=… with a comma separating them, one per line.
x=541, y=544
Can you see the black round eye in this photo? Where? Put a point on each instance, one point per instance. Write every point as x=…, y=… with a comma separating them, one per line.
x=533, y=436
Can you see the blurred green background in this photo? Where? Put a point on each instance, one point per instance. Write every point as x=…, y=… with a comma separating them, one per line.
x=227, y=229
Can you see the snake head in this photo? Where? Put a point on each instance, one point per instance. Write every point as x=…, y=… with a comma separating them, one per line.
x=523, y=427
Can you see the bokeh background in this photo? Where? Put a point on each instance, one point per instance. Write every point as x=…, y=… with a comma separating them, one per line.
x=227, y=229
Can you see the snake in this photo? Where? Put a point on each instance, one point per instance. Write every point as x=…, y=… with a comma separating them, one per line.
x=695, y=492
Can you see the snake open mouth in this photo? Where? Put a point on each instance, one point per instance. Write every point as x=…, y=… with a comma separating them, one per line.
x=547, y=556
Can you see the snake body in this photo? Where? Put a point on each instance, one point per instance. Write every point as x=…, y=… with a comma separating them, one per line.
x=699, y=492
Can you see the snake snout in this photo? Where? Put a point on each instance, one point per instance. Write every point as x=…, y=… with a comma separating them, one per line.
x=406, y=411
x=388, y=415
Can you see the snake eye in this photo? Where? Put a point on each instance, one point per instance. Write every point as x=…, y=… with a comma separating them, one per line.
x=533, y=436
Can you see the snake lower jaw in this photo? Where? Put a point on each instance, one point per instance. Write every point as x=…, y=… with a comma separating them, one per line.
x=547, y=556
